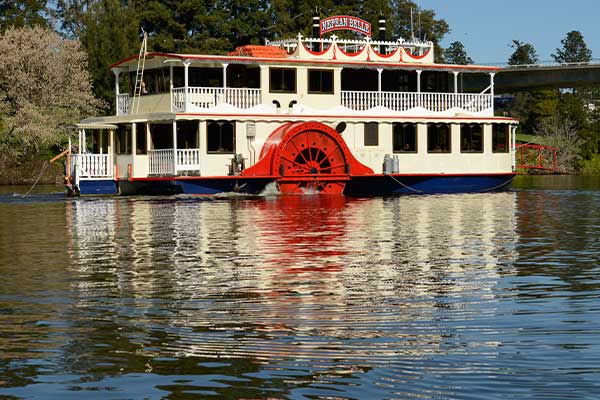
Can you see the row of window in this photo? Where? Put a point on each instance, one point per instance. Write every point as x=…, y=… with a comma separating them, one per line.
x=283, y=80
x=404, y=137
x=220, y=137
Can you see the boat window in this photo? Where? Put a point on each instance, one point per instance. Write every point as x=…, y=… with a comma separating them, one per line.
x=438, y=138
x=500, y=138
x=435, y=81
x=399, y=81
x=404, y=137
x=471, y=138
x=161, y=136
x=140, y=138
x=220, y=137
x=243, y=76
x=205, y=77
x=282, y=80
x=187, y=134
x=123, y=139
x=155, y=81
x=320, y=81
x=359, y=79
x=371, y=134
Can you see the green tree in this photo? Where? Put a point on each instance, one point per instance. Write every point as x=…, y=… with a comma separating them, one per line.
x=110, y=32
x=424, y=19
x=574, y=49
x=456, y=54
x=44, y=86
x=17, y=14
x=524, y=54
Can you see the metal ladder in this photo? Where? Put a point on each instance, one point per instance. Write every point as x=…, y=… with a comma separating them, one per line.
x=139, y=78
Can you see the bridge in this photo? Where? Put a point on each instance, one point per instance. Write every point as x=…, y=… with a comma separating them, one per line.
x=546, y=74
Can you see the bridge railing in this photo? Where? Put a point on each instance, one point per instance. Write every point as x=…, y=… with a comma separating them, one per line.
x=535, y=156
x=545, y=63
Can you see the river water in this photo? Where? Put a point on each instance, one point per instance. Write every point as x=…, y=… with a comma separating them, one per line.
x=475, y=296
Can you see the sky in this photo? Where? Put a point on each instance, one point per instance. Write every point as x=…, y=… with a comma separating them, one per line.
x=487, y=28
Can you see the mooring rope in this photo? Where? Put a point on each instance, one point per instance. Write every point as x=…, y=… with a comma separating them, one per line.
x=44, y=167
x=403, y=185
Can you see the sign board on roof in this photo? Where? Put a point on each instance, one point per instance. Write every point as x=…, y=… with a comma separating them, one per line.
x=345, y=22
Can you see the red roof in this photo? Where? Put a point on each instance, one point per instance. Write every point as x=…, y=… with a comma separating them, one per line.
x=259, y=51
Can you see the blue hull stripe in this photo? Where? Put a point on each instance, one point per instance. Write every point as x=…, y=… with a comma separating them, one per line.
x=357, y=186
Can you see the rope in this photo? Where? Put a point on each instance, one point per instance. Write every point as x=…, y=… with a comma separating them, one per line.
x=44, y=167
x=405, y=186
x=498, y=186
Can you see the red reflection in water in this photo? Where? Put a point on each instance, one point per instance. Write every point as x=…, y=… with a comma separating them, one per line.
x=303, y=233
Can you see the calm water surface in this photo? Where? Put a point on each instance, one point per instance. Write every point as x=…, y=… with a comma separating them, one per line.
x=493, y=296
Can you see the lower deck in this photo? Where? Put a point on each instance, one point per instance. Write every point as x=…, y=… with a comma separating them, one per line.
x=204, y=155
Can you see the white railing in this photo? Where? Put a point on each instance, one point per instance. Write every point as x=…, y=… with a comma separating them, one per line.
x=123, y=104
x=402, y=101
x=348, y=44
x=207, y=97
x=92, y=166
x=161, y=162
x=188, y=160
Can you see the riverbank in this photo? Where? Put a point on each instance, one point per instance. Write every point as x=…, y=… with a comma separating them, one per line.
x=28, y=171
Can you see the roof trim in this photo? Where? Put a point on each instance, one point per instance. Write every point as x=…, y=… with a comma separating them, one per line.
x=256, y=60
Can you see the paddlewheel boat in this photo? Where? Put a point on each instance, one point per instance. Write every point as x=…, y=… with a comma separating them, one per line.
x=306, y=115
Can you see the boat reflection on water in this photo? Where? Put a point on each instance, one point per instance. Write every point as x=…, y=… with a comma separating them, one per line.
x=291, y=278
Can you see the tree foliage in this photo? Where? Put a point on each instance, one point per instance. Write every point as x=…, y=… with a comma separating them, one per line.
x=574, y=49
x=17, y=14
x=44, y=86
x=456, y=54
x=524, y=54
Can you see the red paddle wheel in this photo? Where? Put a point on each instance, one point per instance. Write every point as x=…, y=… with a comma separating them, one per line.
x=307, y=157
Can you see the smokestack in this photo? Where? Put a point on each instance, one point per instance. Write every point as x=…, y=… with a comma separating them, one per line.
x=382, y=49
x=316, y=30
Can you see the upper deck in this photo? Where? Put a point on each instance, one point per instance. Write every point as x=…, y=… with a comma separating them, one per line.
x=306, y=76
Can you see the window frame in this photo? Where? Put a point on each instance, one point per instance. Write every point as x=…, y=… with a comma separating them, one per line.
x=470, y=132
x=320, y=71
x=221, y=123
x=415, y=133
x=283, y=70
x=366, y=132
x=437, y=126
x=495, y=128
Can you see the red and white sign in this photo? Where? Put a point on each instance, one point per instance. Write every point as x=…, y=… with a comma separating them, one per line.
x=345, y=22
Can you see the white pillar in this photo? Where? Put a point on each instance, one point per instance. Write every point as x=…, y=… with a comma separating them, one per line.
x=419, y=87
x=513, y=146
x=133, y=140
x=117, y=73
x=492, y=74
x=186, y=64
x=170, y=86
x=455, y=81
x=225, y=76
x=174, y=147
x=379, y=71
x=80, y=136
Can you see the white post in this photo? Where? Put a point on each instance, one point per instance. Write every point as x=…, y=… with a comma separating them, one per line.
x=170, y=85
x=84, y=141
x=492, y=74
x=455, y=82
x=133, y=140
x=419, y=87
x=225, y=75
x=80, y=136
x=117, y=73
x=379, y=71
x=186, y=65
x=224, y=99
x=513, y=146
x=174, y=147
